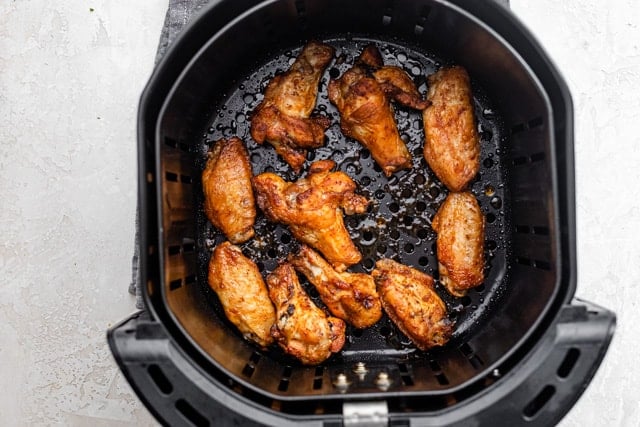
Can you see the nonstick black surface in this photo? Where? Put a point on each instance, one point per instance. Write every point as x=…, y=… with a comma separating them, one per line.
x=398, y=224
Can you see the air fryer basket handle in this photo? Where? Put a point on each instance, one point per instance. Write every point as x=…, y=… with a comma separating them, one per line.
x=539, y=391
x=544, y=386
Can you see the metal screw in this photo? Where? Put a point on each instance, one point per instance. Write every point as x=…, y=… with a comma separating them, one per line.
x=360, y=370
x=383, y=382
x=496, y=373
x=341, y=383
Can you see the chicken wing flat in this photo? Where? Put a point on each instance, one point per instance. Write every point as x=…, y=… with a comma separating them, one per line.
x=228, y=197
x=351, y=297
x=460, y=226
x=409, y=299
x=312, y=207
x=362, y=97
x=302, y=329
x=452, y=145
x=283, y=117
x=242, y=292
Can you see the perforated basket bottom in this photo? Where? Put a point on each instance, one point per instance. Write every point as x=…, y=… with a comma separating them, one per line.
x=398, y=223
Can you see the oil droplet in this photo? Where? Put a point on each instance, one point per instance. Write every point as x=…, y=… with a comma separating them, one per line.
x=241, y=118
x=248, y=98
x=489, y=191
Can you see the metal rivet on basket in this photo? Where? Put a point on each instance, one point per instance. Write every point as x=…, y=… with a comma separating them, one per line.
x=341, y=383
x=383, y=382
x=360, y=370
x=496, y=373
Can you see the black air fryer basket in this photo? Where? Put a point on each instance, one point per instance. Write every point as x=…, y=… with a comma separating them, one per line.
x=524, y=348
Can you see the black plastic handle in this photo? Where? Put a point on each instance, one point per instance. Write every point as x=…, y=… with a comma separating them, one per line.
x=538, y=391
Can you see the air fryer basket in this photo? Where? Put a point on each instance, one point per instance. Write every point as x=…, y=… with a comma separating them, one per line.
x=510, y=325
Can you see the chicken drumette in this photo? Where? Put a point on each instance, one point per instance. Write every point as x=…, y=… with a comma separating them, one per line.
x=350, y=296
x=283, y=117
x=409, y=299
x=452, y=145
x=302, y=329
x=460, y=226
x=228, y=197
x=242, y=293
x=312, y=207
x=362, y=96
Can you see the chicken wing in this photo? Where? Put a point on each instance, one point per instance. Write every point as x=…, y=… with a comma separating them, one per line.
x=362, y=96
x=459, y=224
x=302, y=329
x=409, y=299
x=242, y=292
x=283, y=117
x=350, y=296
x=228, y=197
x=312, y=207
x=452, y=145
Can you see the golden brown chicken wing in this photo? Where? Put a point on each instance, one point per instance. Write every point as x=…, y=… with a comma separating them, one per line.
x=460, y=226
x=452, y=145
x=350, y=296
x=362, y=96
x=242, y=292
x=228, y=197
x=302, y=329
x=312, y=207
x=283, y=117
x=409, y=299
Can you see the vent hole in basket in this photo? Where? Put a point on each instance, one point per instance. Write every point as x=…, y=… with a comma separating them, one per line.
x=537, y=157
x=568, y=362
x=284, y=381
x=524, y=261
x=394, y=207
x=421, y=206
x=186, y=179
x=543, y=231
x=437, y=372
x=522, y=229
x=285, y=238
x=405, y=375
x=539, y=401
x=317, y=381
x=190, y=279
x=188, y=247
x=519, y=161
x=255, y=358
x=191, y=413
x=170, y=176
x=183, y=147
x=160, y=379
x=473, y=358
x=175, y=284
x=174, y=250
x=542, y=265
x=423, y=261
x=170, y=142
x=534, y=123
x=248, y=370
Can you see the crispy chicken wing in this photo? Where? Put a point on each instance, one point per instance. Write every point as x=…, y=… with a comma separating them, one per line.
x=460, y=226
x=452, y=145
x=302, y=329
x=228, y=197
x=242, y=292
x=312, y=208
x=350, y=296
x=362, y=96
x=283, y=117
x=409, y=299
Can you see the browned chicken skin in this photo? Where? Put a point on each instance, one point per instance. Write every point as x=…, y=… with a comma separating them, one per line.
x=452, y=145
x=228, y=197
x=409, y=299
x=460, y=226
x=242, y=292
x=312, y=207
x=302, y=329
x=283, y=117
x=350, y=296
x=362, y=96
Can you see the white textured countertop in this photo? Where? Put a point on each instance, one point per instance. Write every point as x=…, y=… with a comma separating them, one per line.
x=70, y=78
